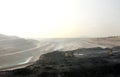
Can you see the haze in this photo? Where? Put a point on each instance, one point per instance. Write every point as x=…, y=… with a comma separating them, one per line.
x=60, y=18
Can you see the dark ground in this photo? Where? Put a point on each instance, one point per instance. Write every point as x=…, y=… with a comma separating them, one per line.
x=56, y=64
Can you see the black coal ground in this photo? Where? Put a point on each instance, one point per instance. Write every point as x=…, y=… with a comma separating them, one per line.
x=56, y=64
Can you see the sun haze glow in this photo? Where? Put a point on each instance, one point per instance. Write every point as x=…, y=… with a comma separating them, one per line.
x=59, y=18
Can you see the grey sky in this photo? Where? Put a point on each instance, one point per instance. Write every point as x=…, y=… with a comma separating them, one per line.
x=60, y=18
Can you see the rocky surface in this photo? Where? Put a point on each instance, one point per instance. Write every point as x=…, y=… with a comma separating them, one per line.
x=57, y=64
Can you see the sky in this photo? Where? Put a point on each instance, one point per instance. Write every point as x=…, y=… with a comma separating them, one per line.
x=60, y=18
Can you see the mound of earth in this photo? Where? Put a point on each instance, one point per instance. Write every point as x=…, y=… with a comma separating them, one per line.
x=57, y=64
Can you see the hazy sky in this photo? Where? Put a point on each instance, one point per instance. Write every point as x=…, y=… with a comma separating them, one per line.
x=60, y=18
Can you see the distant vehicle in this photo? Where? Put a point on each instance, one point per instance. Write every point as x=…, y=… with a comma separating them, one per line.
x=68, y=54
x=110, y=52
